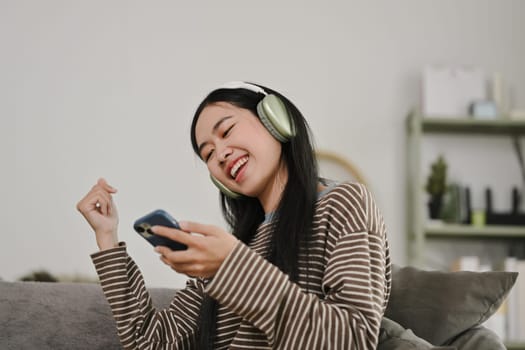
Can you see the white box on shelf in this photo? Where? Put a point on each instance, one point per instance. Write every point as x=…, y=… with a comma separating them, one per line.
x=466, y=263
x=512, y=322
x=448, y=91
x=520, y=290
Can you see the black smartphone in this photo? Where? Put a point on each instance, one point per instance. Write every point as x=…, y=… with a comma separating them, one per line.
x=158, y=218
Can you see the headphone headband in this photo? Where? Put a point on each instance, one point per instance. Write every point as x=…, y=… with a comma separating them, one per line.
x=243, y=85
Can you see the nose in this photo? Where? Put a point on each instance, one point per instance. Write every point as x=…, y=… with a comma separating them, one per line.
x=224, y=154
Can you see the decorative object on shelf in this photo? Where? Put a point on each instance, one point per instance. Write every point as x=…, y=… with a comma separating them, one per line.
x=498, y=93
x=451, y=211
x=479, y=218
x=517, y=114
x=457, y=208
x=514, y=217
x=436, y=186
x=448, y=90
x=483, y=110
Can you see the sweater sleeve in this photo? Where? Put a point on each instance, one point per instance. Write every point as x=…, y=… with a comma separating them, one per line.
x=355, y=290
x=139, y=324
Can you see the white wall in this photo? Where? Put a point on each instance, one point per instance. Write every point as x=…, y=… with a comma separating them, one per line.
x=108, y=88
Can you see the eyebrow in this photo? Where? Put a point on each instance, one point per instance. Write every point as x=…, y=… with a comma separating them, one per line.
x=214, y=130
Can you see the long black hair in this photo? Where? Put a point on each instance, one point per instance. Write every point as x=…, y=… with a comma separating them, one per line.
x=292, y=220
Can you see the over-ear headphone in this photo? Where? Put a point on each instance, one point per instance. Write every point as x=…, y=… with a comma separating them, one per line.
x=273, y=115
x=225, y=190
x=271, y=111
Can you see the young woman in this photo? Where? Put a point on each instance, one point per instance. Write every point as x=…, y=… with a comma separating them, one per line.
x=307, y=264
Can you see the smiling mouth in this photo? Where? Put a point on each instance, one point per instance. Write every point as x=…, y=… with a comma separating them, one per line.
x=237, y=166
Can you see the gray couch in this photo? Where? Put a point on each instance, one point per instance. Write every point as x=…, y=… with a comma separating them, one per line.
x=444, y=309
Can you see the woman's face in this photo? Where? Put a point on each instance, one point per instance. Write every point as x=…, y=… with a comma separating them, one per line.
x=237, y=149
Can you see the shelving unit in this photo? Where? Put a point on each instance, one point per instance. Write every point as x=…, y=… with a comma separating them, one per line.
x=419, y=231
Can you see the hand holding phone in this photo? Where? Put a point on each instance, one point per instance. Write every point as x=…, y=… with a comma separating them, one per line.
x=158, y=218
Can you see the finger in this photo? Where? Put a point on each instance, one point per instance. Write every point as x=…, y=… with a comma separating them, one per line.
x=166, y=261
x=88, y=203
x=174, y=234
x=106, y=205
x=184, y=268
x=190, y=267
x=104, y=184
x=162, y=250
x=111, y=206
x=190, y=270
x=101, y=201
x=96, y=189
x=176, y=256
x=195, y=227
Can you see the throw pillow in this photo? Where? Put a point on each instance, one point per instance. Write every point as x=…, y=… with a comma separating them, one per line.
x=438, y=306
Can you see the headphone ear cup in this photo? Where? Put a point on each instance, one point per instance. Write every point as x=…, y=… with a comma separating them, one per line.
x=274, y=116
x=225, y=190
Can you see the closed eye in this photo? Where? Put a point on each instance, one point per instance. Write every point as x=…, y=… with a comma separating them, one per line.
x=227, y=131
x=208, y=156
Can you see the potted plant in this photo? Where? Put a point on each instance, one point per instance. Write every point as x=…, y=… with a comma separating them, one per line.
x=436, y=187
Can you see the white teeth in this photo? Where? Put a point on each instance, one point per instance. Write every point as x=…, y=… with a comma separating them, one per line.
x=237, y=166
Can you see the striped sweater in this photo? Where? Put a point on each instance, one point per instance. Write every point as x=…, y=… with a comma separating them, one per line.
x=338, y=304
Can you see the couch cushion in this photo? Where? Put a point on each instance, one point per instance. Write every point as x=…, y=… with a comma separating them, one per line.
x=438, y=306
x=392, y=336
x=38, y=315
x=478, y=338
